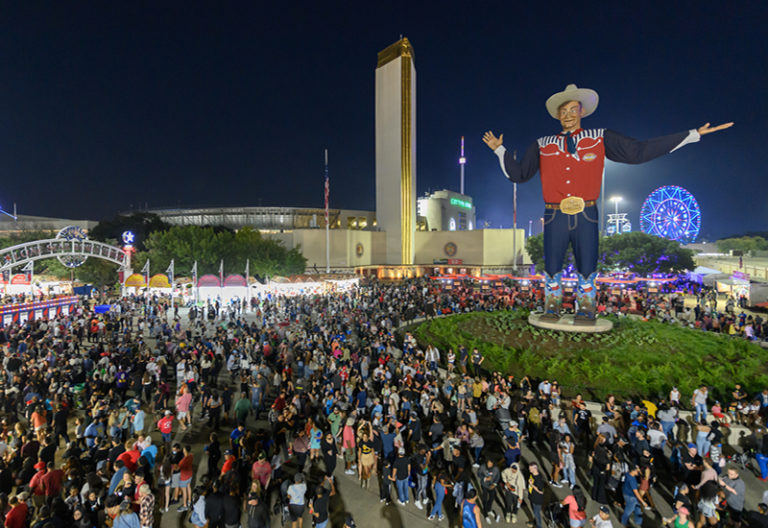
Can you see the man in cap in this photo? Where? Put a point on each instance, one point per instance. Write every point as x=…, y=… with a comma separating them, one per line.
x=602, y=519
x=514, y=488
x=571, y=166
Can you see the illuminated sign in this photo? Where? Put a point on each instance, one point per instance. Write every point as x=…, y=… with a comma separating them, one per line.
x=128, y=238
x=461, y=203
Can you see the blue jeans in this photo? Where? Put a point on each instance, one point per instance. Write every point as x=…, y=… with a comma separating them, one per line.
x=580, y=230
x=402, y=489
x=570, y=474
x=702, y=444
x=536, y=513
x=668, y=427
x=632, y=507
x=701, y=412
x=439, y=497
x=322, y=524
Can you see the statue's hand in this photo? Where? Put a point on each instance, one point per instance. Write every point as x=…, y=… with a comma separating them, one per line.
x=492, y=141
x=706, y=129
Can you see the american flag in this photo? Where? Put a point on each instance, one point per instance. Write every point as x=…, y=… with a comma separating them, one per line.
x=327, y=187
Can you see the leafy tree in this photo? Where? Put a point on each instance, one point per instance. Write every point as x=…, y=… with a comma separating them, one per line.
x=744, y=244
x=637, y=251
x=141, y=224
x=534, y=245
x=208, y=246
x=643, y=254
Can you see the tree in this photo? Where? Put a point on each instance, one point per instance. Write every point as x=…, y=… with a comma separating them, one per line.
x=743, y=244
x=141, y=224
x=208, y=247
x=643, y=254
x=534, y=245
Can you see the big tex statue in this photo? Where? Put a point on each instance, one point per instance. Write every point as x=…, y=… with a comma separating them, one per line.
x=571, y=166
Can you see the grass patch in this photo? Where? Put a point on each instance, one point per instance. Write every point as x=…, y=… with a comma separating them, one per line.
x=635, y=359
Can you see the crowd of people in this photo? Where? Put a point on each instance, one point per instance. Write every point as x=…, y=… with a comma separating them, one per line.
x=103, y=416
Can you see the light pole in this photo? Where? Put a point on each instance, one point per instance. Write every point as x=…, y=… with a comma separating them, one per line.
x=616, y=200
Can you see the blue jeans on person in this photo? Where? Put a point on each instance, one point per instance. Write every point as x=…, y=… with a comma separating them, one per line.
x=570, y=474
x=701, y=413
x=762, y=462
x=702, y=444
x=402, y=489
x=536, y=514
x=439, y=497
x=322, y=524
x=632, y=507
x=477, y=452
x=580, y=230
x=668, y=428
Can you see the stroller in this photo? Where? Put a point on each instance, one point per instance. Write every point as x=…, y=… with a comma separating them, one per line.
x=554, y=516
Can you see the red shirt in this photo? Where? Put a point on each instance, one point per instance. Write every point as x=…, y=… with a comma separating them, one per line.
x=227, y=466
x=36, y=483
x=17, y=517
x=165, y=424
x=52, y=482
x=130, y=459
x=185, y=467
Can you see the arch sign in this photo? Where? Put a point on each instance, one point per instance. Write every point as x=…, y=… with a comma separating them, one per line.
x=71, y=246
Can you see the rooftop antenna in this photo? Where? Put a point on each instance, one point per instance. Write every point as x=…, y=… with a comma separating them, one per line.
x=462, y=162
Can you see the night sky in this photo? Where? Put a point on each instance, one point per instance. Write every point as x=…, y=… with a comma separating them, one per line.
x=105, y=108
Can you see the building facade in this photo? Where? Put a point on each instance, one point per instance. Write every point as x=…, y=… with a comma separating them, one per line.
x=446, y=211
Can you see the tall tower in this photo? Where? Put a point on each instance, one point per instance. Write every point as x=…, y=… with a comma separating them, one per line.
x=462, y=162
x=396, y=150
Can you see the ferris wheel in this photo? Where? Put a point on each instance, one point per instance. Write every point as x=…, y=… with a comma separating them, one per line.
x=671, y=212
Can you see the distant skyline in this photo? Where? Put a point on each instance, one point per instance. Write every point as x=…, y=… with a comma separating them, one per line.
x=107, y=107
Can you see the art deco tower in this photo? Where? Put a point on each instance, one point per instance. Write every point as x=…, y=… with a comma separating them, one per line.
x=396, y=150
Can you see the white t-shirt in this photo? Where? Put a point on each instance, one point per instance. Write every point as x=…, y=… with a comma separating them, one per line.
x=600, y=523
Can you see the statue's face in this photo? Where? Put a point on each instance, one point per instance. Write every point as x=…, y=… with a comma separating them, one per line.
x=570, y=115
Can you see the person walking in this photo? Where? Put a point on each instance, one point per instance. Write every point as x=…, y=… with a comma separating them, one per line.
x=470, y=512
x=632, y=498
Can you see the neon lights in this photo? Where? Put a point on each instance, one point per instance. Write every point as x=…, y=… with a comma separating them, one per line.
x=461, y=203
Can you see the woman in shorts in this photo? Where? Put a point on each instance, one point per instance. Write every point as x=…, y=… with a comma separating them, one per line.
x=164, y=482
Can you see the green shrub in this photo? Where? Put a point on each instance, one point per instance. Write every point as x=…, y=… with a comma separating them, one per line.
x=635, y=359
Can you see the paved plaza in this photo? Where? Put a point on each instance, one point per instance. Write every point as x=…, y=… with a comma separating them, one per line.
x=368, y=511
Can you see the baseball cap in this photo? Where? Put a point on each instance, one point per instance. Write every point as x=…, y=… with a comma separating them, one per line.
x=691, y=446
x=605, y=509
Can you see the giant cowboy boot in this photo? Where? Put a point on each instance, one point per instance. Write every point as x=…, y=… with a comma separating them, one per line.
x=586, y=297
x=553, y=296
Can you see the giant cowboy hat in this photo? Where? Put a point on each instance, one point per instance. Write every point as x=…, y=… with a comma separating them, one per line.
x=588, y=99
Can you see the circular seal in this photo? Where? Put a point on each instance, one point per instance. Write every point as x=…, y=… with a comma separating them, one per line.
x=359, y=249
x=450, y=249
x=71, y=233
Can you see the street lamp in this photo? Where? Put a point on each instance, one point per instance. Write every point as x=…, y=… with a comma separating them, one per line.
x=616, y=200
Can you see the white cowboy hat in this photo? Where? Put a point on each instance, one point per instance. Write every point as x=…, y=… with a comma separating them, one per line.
x=588, y=99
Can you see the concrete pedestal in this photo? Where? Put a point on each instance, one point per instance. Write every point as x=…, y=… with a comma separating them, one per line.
x=566, y=323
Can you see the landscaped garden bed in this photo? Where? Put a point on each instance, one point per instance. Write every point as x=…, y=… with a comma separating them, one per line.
x=637, y=358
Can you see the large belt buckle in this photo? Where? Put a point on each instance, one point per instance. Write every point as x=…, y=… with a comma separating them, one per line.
x=572, y=205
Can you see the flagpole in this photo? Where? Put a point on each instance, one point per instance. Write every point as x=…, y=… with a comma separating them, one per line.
x=194, y=279
x=247, y=286
x=327, y=220
x=221, y=285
